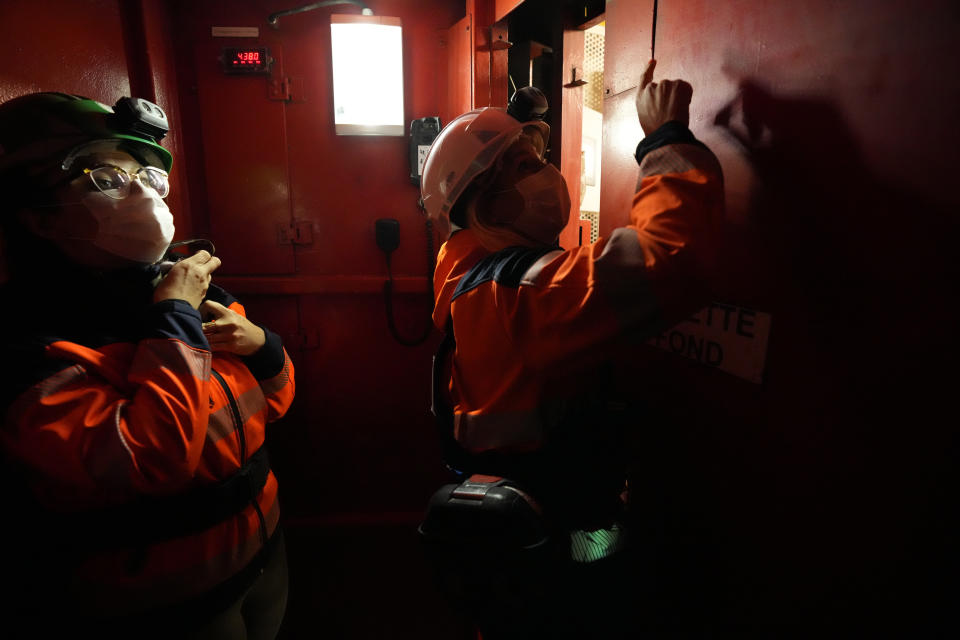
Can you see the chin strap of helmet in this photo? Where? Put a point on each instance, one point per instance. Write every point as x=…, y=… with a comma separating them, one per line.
x=177, y=251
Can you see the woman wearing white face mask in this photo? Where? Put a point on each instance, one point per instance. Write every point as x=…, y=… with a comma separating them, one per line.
x=535, y=326
x=146, y=501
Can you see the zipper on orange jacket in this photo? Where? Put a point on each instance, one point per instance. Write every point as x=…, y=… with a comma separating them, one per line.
x=241, y=436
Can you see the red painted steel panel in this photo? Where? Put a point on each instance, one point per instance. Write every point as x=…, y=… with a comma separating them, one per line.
x=63, y=46
x=296, y=285
x=364, y=424
x=626, y=52
x=834, y=123
x=459, y=69
x=621, y=133
x=503, y=7
x=499, y=65
x=158, y=50
x=571, y=134
x=626, y=43
x=482, y=17
x=244, y=146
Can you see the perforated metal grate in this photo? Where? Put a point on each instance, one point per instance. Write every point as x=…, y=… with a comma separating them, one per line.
x=594, y=218
x=593, y=69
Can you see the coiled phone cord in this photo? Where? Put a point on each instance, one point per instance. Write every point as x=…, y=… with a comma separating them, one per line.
x=388, y=294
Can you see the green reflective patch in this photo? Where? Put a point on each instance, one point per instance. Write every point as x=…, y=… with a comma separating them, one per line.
x=590, y=546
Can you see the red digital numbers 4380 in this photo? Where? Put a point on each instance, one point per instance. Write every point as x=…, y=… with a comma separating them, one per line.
x=247, y=57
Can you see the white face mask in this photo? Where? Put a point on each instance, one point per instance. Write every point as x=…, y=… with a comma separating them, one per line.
x=138, y=227
x=546, y=204
x=546, y=187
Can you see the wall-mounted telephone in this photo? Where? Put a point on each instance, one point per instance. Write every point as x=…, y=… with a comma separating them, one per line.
x=423, y=132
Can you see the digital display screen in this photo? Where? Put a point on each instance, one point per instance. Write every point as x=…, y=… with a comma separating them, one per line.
x=247, y=57
x=246, y=60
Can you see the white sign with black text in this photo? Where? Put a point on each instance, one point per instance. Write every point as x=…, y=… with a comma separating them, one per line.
x=724, y=336
x=421, y=157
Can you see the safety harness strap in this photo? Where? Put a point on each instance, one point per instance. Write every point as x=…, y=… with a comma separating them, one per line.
x=153, y=520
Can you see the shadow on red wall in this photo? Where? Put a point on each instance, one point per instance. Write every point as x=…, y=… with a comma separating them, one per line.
x=864, y=272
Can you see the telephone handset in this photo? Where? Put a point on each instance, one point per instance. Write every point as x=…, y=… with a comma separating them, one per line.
x=423, y=132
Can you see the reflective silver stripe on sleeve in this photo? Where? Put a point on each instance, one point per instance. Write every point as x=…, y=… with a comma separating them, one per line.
x=59, y=380
x=475, y=432
x=677, y=158
x=44, y=389
x=530, y=277
x=279, y=381
x=221, y=423
x=621, y=275
x=117, y=424
x=174, y=356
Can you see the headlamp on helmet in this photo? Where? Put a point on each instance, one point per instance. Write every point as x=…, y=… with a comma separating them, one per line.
x=141, y=117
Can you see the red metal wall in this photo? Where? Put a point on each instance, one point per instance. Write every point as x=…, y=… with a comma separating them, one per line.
x=82, y=51
x=818, y=496
x=258, y=164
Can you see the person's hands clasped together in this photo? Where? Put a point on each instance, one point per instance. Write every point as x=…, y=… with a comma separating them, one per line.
x=661, y=102
x=188, y=279
x=230, y=331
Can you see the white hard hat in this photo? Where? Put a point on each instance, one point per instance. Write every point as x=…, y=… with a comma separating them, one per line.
x=465, y=148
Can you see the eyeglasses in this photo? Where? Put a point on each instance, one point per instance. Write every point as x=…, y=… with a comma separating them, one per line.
x=115, y=182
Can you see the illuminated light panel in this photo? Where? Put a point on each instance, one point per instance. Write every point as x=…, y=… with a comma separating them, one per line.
x=367, y=75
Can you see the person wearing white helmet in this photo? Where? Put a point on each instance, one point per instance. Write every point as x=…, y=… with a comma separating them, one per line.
x=535, y=324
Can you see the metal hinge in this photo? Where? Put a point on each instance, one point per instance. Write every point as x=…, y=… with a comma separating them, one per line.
x=285, y=88
x=279, y=88
x=298, y=232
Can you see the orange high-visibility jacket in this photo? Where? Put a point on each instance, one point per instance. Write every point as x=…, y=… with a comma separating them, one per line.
x=146, y=417
x=526, y=317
